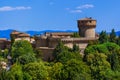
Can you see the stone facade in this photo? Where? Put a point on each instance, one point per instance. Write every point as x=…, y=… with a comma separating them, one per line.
x=4, y=43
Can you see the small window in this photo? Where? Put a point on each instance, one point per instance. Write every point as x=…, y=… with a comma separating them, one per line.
x=90, y=21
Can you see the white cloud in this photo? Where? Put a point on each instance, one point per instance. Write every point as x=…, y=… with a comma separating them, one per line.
x=9, y=8
x=76, y=11
x=80, y=8
x=86, y=6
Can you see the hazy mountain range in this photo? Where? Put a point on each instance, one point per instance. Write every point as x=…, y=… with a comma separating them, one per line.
x=6, y=33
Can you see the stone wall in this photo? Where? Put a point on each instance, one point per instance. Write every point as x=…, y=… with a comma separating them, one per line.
x=47, y=53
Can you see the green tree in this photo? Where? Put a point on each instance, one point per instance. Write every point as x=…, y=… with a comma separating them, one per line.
x=63, y=54
x=59, y=49
x=103, y=37
x=15, y=73
x=56, y=71
x=112, y=36
x=12, y=39
x=114, y=61
x=99, y=65
x=2, y=70
x=37, y=70
x=38, y=53
x=118, y=40
x=76, y=70
x=76, y=48
x=5, y=53
x=76, y=35
x=22, y=52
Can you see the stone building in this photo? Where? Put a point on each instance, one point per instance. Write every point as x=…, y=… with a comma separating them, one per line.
x=4, y=43
x=20, y=35
x=47, y=42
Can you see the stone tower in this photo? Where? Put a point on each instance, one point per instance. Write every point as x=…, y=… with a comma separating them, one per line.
x=87, y=27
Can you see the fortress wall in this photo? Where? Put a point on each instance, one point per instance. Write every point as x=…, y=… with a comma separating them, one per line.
x=47, y=53
x=41, y=43
x=90, y=32
x=52, y=44
x=82, y=46
x=70, y=45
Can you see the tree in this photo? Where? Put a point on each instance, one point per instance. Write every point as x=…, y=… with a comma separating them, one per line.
x=103, y=37
x=59, y=49
x=12, y=39
x=38, y=53
x=112, y=36
x=114, y=61
x=2, y=69
x=36, y=70
x=76, y=48
x=76, y=35
x=118, y=40
x=15, y=73
x=99, y=65
x=22, y=52
x=5, y=53
x=56, y=71
x=63, y=54
x=76, y=70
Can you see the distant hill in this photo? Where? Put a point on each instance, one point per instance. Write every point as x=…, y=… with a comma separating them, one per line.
x=118, y=33
x=6, y=33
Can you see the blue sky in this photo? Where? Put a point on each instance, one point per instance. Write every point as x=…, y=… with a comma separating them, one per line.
x=40, y=15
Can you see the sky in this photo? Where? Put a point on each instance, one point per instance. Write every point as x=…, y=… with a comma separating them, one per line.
x=38, y=15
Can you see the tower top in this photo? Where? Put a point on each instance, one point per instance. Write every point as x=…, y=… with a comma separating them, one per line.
x=87, y=19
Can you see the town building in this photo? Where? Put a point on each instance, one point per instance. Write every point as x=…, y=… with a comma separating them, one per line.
x=20, y=35
x=4, y=43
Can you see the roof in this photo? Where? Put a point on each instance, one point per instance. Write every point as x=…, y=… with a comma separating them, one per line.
x=3, y=39
x=24, y=35
x=20, y=34
x=15, y=32
x=61, y=34
x=84, y=19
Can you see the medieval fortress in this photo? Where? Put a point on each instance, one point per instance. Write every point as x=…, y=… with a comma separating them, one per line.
x=48, y=41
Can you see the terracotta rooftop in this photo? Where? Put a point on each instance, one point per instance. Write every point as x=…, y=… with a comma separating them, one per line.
x=20, y=34
x=23, y=35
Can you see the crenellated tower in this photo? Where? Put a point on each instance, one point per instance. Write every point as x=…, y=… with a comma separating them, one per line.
x=87, y=27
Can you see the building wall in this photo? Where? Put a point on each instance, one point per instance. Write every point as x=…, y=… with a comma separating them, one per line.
x=90, y=32
x=23, y=38
x=2, y=45
x=47, y=53
x=41, y=42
